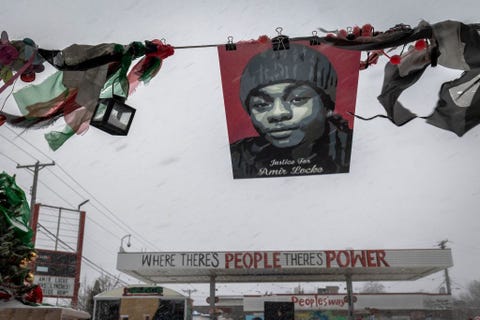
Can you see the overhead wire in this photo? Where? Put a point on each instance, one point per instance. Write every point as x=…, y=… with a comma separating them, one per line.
x=62, y=198
x=52, y=237
x=117, y=221
x=101, y=226
x=97, y=244
x=9, y=94
x=9, y=158
x=55, y=193
x=70, y=204
x=18, y=147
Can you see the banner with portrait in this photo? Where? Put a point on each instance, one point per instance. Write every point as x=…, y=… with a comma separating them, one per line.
x=289, y=112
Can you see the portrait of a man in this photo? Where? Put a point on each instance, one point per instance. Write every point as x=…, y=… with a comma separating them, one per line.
x=290, y=99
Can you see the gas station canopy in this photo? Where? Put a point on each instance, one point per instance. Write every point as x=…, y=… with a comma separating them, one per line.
x=283, y=266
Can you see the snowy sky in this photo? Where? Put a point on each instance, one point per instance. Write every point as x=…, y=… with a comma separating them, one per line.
x=169, y=182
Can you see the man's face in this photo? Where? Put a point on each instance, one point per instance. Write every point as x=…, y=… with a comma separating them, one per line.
x=288, y=113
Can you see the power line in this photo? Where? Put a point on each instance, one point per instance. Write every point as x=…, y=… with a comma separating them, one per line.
x=88, y=216
x=119, y=224
x=28, y=142
x=9, y=94
x=125, y=226
x=53, y=237
x=9, y=158
x=70, y=204
x=21, y=149
x=118, y=221
x=88, y=219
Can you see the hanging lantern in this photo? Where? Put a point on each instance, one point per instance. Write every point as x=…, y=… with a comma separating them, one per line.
x=112, y=115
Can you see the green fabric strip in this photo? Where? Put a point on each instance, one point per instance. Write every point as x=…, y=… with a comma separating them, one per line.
x=56, y=139
x=49, y=89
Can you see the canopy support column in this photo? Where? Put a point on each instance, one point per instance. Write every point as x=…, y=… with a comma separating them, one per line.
x=213, y=315
x=348, y=278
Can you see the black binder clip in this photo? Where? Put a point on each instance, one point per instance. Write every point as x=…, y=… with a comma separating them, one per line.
x=230, y=46
x=280, y=42
x=314, y=40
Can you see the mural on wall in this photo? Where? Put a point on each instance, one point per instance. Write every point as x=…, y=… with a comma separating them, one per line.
x=318, y=315
x=306, y=315
x=289, y=111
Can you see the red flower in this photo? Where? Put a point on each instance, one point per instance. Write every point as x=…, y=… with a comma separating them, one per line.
x=163, y=50
x=420, y=44
x=8, y=54
x=263, y=39
x=395, y=59
x=367, y=30
x=35, y=294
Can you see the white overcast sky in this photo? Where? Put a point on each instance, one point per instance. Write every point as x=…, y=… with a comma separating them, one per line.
x=169, y=181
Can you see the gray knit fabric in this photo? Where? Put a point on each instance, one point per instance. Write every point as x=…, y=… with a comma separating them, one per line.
x=299, y=63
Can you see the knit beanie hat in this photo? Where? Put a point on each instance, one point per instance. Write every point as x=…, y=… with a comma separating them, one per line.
x=298, y=64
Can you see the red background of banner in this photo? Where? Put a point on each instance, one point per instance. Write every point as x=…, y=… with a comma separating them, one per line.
x=232, y=63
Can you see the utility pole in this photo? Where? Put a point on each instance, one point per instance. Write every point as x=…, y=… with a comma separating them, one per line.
x=35, y=168
x=442, y=245
x=190, y=291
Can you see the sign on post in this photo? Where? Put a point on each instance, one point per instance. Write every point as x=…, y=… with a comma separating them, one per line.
x=56, y=271
x=57, y=286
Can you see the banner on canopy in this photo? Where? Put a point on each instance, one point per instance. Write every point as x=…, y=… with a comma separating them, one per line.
x=289, y=112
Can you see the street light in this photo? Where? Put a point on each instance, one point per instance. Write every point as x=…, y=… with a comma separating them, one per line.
x=128, y=243
x=81, y=204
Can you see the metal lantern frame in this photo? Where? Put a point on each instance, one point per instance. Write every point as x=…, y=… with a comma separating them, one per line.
x=113, y=116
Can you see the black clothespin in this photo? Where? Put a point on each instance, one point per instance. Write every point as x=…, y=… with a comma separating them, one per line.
x=280, y=42
x=230, y=46
x=314, y=40
x=434, y=54
x=350, y=34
